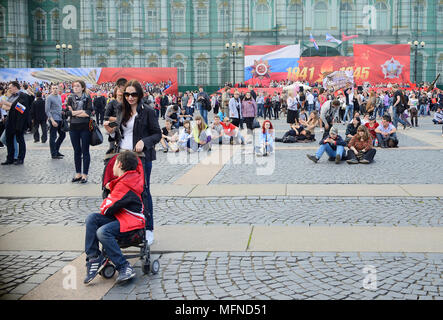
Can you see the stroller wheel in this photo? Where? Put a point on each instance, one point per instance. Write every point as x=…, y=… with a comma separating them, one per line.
x=108, y=271
x=155, y=266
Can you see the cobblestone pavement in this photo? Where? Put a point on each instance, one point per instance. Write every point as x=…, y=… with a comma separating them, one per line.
x=293, y=167
x=277, y=210
x=22, y=271
x=288, y=275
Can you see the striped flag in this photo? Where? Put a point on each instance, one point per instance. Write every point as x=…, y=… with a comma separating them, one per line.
x=330, y=38
x=311, y=38
x=20, y=108
x=346, y=38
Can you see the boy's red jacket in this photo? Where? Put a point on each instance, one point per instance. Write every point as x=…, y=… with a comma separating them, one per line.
x=125, y=201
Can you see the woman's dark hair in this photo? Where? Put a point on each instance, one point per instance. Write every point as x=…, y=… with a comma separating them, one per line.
x=128, y=160
x=126, y=107
x=38, y=94
x=82, y=83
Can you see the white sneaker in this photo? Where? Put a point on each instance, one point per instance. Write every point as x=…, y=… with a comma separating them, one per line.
x=149, y=237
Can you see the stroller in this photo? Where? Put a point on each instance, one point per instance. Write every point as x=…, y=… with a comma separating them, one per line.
x=135, y=238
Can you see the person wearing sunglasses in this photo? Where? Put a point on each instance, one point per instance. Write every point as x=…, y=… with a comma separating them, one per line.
x=140, y=132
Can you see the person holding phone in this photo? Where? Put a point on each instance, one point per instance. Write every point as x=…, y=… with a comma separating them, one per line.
x=140, y=132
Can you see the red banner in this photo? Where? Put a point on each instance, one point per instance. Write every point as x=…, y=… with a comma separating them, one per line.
x=382, y=63
x=143, y=75
x=311, y=68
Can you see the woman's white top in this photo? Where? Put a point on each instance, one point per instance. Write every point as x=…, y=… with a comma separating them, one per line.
x=127, y=133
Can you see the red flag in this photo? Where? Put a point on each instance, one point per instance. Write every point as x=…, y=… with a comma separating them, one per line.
x=346, y=38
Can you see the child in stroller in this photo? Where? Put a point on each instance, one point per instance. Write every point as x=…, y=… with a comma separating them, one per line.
x=120, y=223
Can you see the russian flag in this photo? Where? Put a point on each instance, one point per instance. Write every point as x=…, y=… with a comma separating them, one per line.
x=266, y=63
x=20, y=108
x=311, y=38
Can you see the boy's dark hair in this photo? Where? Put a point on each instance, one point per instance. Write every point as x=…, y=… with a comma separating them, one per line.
x=38, y=94
x=15, y=84
x=121, y=82
x=129, y=160
x=387, y=117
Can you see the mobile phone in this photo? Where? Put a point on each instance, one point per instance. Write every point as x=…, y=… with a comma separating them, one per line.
x=113, y=124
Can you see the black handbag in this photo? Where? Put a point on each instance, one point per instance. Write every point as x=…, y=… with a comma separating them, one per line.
x=64, y=125
x=96, y=134
x=255, y=124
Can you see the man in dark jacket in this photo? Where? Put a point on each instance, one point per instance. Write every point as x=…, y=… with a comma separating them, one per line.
x=18, y=115
x=99, y=107
x=334, y=145
x=164, y=102
x=39, y=118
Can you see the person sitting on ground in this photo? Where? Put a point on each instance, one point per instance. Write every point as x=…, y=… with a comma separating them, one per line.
x=438, y=117
x=172, y=114
x=386, y=133
x=169, y=137
x=200, y=140
x=365, y=119
x=360, y=147
x=120, y=213
x=372, y=125
x=217, y=130
x=334, y=145
x=351, y=129
x=312, y=123
x=266, y=140
x=297, y=133
x=232, y=131
x=185, y=136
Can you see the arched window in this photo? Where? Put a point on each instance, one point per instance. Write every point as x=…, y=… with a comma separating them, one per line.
x=382, y=16
x=202, y=73
x=178, y=20
x=346, y=17
x=320, y=15
x=100, y=20
x=153, y=65
x=40, y=63
x=40, y=25
x=262, y=17
x=102, y=62
x=2, y=22
x=294, y=19
x=180, y=72
x=55, y=24
x=224, y=19
x=125, y=61
x=202, y=20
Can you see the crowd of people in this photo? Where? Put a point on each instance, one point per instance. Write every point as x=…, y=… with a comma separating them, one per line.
x=129, y=112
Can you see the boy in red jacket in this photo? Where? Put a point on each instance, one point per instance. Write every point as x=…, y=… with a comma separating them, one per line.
x=120, y=212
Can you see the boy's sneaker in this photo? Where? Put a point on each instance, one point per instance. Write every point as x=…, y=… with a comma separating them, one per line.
x=93, y=267
x=312, y=157
x=126, y=273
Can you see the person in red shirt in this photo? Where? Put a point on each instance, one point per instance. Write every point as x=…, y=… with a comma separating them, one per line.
x=372, y=125
x=232, y=131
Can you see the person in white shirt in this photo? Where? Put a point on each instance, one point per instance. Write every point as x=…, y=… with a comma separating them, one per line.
x=310, y=99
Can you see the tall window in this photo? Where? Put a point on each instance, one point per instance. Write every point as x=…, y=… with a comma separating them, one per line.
x=40, y=25
x=100, y=20
x=125, y=19
x=224, y=19
x=2, y=63
x=320, y=15
x=55, y=24
x=224, y=72
x=202, y=73
x=126, y=62
x=153, y=65
x=2, y=22
x=382, y=16
x=178, y=20
x=439, y=19
x=294, y=18
x=440, y=68
x=202, y=20
x=151, y=20
x=346, y=21
x=263, y=17
x=418, y=16
x=180, y=72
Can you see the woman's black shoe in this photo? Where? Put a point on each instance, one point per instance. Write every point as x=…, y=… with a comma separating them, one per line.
x=76, y=179
x=83, y=180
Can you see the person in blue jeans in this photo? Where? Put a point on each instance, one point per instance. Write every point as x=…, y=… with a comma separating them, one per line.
x=120, y=213
x=333, y=145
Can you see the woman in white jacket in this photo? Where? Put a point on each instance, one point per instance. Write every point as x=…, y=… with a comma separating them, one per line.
x=235, y=109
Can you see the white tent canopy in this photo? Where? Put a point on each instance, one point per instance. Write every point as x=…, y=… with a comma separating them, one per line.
x=296, y=86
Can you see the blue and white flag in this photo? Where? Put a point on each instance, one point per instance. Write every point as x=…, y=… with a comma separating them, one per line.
x=311, y=38
x=330, y=38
